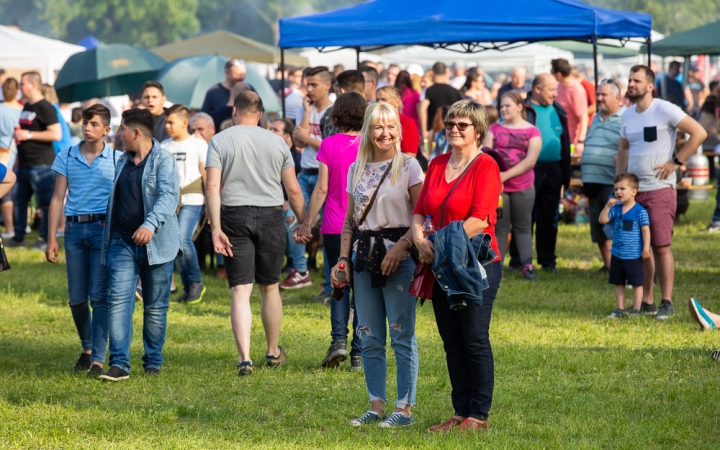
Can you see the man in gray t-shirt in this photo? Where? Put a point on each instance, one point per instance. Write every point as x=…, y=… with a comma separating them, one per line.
x=248, y=227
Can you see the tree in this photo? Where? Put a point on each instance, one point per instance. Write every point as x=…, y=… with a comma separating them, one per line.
x=135, y=22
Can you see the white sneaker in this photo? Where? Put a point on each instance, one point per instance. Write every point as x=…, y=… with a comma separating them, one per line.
x=7, y=235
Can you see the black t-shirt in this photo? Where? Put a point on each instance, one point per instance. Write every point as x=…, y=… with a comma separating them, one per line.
x=159, y=132
x=439, y=95
x=129, y=208
x=37, y=117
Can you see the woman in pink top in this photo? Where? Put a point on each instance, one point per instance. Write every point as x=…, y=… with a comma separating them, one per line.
x=517, y=143
x=410, y=97
x=335, y=155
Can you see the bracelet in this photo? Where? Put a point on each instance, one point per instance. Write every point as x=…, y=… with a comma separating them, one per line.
x=403, y=238
x=342, y=258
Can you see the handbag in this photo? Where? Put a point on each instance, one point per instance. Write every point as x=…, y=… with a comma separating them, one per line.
x=423, y=281
x=4, y=263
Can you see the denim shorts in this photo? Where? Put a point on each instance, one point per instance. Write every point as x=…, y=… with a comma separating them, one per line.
x=257, y=235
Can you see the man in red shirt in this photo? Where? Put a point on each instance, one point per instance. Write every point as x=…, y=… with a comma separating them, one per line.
x=572, y=97
x=589, y=87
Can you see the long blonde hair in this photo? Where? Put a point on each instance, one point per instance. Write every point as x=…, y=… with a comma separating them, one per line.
x=373, y=114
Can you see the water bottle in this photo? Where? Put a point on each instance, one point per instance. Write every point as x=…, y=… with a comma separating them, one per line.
x=428, y=227
x=499, y=209
x=339, y=292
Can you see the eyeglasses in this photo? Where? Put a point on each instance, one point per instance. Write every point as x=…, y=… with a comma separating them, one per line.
x=461, y=126
x=609, y=81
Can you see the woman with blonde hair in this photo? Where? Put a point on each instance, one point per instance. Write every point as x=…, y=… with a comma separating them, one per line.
x=410, y=141
x=383, y=186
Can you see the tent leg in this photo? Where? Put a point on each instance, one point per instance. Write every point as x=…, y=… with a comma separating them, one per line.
x=595, y=61
x=649, y=49
x=282, y=80
x=357, y=58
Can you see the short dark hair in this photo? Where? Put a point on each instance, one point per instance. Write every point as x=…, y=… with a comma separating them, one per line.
x=178, y=109
x=248, y=102
x=709, y=105
x=97, y=110
x=351, y=81
x=233, y=62
x=288, y=126
x=10, y=89
x=561, y=66
x=439, y=68
x=323, y=71
x=34, y=77
x=76, y=115
x=348, y=111
x=403, y=80
x=712, y=85
x=141, y=119
x=370, y=71
x=153, y=84
x=631, y=178
x=675, y=64
x=649, y=74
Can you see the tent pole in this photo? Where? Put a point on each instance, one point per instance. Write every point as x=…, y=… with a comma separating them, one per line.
x=282, y=80
x=595, y=60
x=649, y=49
x=357, y=58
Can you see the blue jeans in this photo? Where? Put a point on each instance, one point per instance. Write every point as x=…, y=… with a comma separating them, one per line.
x=187, y=261
x=375, y=308
x=87, y=282
x=716, y=214
x=39, y=180
x=127, y=264
x=307, y=186
x=340, y=309
x=294, y=250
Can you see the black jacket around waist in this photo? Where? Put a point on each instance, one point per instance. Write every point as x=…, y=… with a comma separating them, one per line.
x=564, y=139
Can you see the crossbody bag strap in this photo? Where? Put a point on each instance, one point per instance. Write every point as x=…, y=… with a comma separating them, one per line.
x=372, y=199
x=459, y=179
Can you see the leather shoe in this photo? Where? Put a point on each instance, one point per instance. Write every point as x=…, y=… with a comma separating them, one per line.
x=445, y=426
x=473, y=425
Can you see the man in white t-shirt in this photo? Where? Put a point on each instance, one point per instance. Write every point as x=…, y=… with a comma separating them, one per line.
x=190, y=154
x=295, y=93
x=647, y=143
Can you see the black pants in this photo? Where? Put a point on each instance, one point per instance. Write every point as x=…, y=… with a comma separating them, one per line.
x=466, y=339
x=548, y=186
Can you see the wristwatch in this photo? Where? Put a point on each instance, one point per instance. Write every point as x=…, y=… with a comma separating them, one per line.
x=677, y=161
x=29, y=135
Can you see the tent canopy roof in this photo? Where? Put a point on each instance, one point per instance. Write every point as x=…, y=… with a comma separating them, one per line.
x=427, y=22
x=228, y=44
x=703, y=40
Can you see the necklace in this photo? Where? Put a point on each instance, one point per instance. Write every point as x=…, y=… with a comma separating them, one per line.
x=457, y=166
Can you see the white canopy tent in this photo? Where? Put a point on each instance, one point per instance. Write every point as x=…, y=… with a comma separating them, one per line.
x=26, y=51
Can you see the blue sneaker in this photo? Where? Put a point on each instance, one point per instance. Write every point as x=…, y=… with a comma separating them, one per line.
x=397, y=419
x=700, y=315
x=369, y=417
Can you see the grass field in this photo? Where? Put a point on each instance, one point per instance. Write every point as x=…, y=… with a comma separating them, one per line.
x=566, y=377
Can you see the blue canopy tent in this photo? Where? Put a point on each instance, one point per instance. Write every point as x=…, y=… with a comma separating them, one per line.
x=476, y=26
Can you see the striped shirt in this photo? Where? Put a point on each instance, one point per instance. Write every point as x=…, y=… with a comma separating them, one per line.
x=627, y=238
x=89, y=185
x=601, y=147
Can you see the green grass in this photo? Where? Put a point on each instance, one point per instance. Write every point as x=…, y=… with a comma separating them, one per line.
x=565, y=376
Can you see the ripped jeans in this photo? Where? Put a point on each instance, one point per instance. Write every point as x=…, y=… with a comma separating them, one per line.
x=376, y=308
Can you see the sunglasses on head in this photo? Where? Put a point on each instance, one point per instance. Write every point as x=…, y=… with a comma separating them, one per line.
x=609, y=81
x=461, y=126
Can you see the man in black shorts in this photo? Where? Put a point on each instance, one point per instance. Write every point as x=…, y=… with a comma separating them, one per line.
x=248, y=226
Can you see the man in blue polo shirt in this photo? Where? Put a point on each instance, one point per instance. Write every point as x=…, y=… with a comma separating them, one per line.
x=86, y=171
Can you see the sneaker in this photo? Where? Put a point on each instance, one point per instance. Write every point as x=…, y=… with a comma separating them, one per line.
x=95, y=371
x=698, y=313
x=40, y=245
x=618, y=313
x=221, y=274
x=649, y=308
x=397, y=419
x=665, y=311
x=369, y=417
x=356, y=363
x=83, y=363
x=173, y=287
x=181, y=298
x=152, y=372
x=296, y=280
x=715, y=355
x=321, y=298
x=276, y=361
x=336, y=354
x=714, y=227
x=195, y=294
x=138, y=294
x=445, y=426
x=13, y=243
x=473, y=425
x=635, y=313
x=115, y=374
x=245, y=368
x=529, y=273
x=7, y=236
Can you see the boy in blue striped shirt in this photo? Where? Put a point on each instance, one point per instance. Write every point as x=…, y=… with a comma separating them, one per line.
x=631, y=242
x=86, y=171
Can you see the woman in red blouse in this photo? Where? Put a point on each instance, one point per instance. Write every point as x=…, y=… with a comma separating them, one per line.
x=465, y=333
x=410, y=139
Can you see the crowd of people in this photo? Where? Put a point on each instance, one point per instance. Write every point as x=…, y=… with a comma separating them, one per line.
x=415, y=185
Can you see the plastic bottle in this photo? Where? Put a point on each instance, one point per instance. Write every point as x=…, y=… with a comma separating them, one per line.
x=339, y=292
x=499, y=209
x=428, y=227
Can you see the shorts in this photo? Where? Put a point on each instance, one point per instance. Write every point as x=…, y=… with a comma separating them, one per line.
x=257, y=235
x=596, y=204
x=626, y=271
x=661, y=206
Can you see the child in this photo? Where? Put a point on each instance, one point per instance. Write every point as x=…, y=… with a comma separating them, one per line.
x=190, y=153
x=631, y=242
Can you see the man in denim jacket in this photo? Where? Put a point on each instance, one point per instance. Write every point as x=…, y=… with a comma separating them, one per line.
x=140, y=242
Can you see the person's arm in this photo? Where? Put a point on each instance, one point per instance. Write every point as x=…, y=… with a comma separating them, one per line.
x=317, y=200
x=302, y=131
x=294, y=193
x=484, y=199
x=203, y=172
x=395, y=255
x=533, y=152
x=645, y=230
x=604, y=214
x=697, y=133
x=168, y=196
x=345, y=242
x=689, y=98
x=422, y=117
x=410, y=140
x=221, y=243
x=623, y=155
x=7, y=182
x=54, y=215
x=53, y=133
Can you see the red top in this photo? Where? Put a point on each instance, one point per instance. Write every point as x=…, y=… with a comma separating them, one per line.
x=476, y=195
x=410, y=135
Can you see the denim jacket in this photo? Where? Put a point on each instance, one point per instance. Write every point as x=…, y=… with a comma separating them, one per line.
x=459, y=261
x=161, y=194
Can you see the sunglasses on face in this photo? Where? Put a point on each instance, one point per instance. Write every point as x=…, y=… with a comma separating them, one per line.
x=461, y=126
